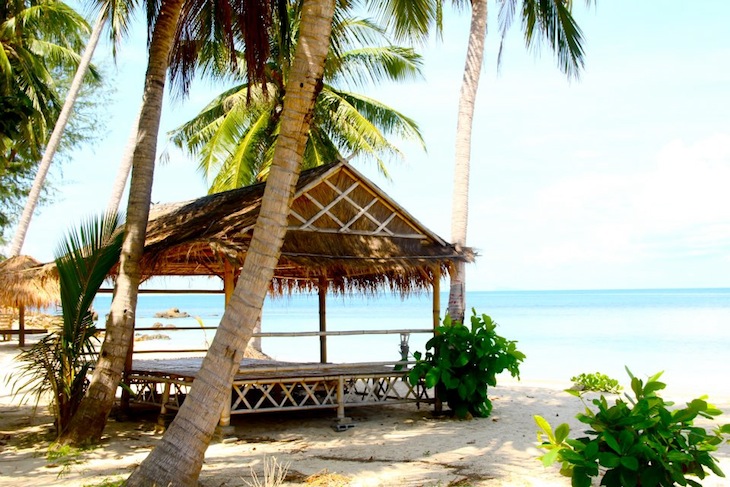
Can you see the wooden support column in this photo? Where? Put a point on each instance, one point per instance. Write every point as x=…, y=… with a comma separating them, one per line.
x=436, y=297
x=21, y=325
x=322, y=288
x=124, y=401
x=229, y=282
x=437, y=405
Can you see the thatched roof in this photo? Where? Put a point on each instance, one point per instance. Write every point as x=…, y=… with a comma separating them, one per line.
x=26, y=282
x=342, y=227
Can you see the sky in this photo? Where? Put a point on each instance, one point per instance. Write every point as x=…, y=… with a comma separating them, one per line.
x=616, y=180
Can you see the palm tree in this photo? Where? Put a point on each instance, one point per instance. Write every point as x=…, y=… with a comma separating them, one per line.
x=234, y=135
x=116, y=12
x=551, y=19
x=178, y=457
x=39, y=41
x=58, y=364
x=185, y=25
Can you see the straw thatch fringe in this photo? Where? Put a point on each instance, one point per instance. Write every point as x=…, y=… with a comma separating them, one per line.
x=26, y=282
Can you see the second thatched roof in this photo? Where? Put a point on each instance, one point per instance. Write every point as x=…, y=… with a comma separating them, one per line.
x=26, y=282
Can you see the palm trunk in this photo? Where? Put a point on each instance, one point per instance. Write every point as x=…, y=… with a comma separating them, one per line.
x=178, y=457
x=55, y=139
x=89, y=421
x=460, y=199
x=125, y=166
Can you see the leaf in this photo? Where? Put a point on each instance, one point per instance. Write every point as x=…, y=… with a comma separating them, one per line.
x=611, y=442
x=432, y=377
x=609, y=460
x=550, y=457
x=561, y=433
x=630, y=462
x=545, y=427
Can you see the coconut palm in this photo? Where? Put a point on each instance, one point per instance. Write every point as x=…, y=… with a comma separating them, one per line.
x=114, y=13
x=185, y=25
x=58, y=364
x=233, y=136
x=178, y=457
x=39, y=42
x=37, y=38
x=551, y=20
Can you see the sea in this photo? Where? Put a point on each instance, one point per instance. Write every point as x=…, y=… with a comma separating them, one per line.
x=684, y=333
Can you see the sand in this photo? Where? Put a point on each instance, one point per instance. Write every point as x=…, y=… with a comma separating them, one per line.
x=388, y=446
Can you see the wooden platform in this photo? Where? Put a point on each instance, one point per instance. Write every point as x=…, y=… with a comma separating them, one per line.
x=268, y=385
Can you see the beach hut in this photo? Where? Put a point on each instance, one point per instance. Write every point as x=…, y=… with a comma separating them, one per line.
x=344, y=235
x=25, y=283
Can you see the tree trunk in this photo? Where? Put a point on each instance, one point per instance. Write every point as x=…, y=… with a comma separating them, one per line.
x=125, y=165
x=55, y=139
x=178, y=457
x=460, y=199
x=89, y=421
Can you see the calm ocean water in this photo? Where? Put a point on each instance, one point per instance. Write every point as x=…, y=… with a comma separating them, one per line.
x=683, y=332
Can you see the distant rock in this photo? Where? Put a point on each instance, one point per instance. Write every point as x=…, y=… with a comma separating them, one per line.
x=157, y=324
x=172, y=313
x=153, y=336
x=170, y=326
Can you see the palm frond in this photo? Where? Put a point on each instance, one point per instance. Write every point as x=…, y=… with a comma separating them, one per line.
x=372, y=65
x=84, y=259
x=550, y=21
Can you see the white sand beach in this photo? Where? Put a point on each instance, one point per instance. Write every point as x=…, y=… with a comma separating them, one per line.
x=394, y=445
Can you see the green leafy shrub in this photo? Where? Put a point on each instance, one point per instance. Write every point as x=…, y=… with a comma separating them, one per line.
x=596, y=382
x=640, y=443
x=464, y=363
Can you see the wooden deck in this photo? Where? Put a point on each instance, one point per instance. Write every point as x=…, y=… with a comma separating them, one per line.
x=268, y=385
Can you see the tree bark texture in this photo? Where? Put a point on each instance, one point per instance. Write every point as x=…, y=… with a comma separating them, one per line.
x=88, y=423
x=178, y=457
x=460, y=198
x=55, y=139
x=125, y=165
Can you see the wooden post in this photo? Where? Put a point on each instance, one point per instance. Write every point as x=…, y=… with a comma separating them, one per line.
x=322, y=287
x=21, y=325
x=228, y=280
x=436, y=297
x=124, y=400
x=437, y=405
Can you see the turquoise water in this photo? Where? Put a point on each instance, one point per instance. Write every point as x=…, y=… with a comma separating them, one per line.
x=684, y=332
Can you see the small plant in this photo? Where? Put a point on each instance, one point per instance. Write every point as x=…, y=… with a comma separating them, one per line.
x=464, y=363
x=596, y=382
x=639, y=443
x=274, y=474
x=108, y=483
x=58, y=364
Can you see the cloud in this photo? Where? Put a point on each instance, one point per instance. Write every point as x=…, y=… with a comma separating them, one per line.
x=674, y=209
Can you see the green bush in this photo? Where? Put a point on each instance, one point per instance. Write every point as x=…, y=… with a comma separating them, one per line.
x=596, y=382
x=640, y=443
x=464, y=363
